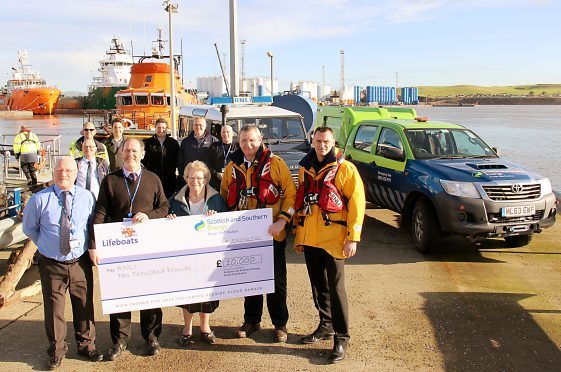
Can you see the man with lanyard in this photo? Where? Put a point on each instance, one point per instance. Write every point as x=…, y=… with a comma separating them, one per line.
x=88, y=132
x=27, y=149
x=114, y=144
x=195, y=146
x=91, y=169
x=330, y=207
x=132, y=195
x=161, y=156
x=220, y=155
x=56, y=219
x=254, y=179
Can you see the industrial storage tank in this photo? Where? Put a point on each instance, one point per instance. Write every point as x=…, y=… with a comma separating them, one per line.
x=300, y=104
x=410, y=95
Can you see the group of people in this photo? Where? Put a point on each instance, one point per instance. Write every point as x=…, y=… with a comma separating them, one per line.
x=131, y=180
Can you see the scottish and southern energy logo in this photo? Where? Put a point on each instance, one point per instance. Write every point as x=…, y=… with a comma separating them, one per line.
x=200, y=225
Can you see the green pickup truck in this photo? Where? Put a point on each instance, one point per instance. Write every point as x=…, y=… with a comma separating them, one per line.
x=441, y=177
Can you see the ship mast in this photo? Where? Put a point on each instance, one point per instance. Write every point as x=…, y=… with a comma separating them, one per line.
x=171, y=8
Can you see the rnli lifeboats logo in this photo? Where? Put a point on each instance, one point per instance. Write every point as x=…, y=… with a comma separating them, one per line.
x=128, y=237
x=199, y=226
x=128, y=232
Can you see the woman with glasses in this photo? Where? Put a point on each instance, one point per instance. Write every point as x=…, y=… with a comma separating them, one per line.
x=197, y=197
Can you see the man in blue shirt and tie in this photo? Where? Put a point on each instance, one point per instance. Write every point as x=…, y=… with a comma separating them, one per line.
x=91, y=169
x=56, y=219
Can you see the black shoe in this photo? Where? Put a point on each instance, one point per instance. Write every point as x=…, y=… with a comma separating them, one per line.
x=209, y=337
x=54, y=363
x=153, y=347
x=92, y=355
x=248, y=328
x=321, y=333
x=185, y=340
x=338, y=353
x=116, y=350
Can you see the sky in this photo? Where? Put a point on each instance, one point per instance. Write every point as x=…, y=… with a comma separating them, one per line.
x=426, y=42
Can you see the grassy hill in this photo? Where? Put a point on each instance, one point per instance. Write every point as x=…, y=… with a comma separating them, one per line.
x=513, y=90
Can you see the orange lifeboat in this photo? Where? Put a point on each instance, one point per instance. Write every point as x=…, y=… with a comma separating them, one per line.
x=148, y=95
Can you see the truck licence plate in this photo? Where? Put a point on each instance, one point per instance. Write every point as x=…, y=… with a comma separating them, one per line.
x=523, y=210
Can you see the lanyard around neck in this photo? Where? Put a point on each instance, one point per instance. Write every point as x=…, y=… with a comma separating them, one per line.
x=67, y=213
x=131, y=199
x=226, y=154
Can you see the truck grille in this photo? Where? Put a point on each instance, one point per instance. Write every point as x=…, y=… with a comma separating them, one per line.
x=497, y=218
x=512, y=192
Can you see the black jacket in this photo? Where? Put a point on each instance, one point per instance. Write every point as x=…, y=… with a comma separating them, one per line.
x=193, y=149
x=162, y=160
x=218, y=152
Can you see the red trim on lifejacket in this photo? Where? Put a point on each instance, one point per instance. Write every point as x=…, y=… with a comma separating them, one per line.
x=321, y=191
x=262, y=185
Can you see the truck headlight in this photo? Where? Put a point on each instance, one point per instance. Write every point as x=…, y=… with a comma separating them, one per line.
x=466, y=189
x=545, y=184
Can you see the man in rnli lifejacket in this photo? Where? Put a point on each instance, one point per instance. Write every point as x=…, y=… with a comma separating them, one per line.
x=255, y=178
x=330, y=206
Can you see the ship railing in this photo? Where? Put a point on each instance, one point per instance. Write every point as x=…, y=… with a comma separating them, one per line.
x=50, y=151
x=142, y=120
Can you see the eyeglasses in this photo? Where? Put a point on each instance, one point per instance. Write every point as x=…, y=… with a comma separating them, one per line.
x=198, y=179
x=90, y=147
x=89, y=130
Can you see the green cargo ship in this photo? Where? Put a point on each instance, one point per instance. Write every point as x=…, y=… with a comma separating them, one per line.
x=115, y=70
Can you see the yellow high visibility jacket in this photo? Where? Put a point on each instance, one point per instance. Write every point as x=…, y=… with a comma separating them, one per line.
x=76, y=149
x=312, y=230
x=284, y=207
x=26, y=142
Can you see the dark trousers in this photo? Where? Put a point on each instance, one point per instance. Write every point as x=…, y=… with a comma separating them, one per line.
x=276, y=302
x=29, y=170
x=77, y=279
x=150, y=325
x=327, y=277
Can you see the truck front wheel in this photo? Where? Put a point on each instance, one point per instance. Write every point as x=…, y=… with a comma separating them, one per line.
x=425, y=230
x=518, y=240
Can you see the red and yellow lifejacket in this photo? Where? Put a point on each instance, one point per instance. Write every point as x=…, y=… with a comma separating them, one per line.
x=262, y=185
x=321, y=191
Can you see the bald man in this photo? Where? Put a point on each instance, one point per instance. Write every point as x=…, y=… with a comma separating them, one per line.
x=220, y=155
x=56, y=219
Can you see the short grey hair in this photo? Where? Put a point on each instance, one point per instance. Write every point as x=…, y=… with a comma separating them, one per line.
x=249, y=127
x=197, y=165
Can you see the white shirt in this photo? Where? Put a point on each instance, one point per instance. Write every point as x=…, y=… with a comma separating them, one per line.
x=82, y=174
x=126, y=172
x=248, y=163
x=197, y=208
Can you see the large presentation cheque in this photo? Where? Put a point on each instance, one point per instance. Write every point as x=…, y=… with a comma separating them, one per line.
x=167, y=262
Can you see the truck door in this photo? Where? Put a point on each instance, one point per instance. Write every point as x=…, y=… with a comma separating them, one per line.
x=360, y=152
x=387, y=169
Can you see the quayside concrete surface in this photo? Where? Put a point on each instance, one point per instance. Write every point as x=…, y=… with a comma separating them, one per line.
x=468, y=307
